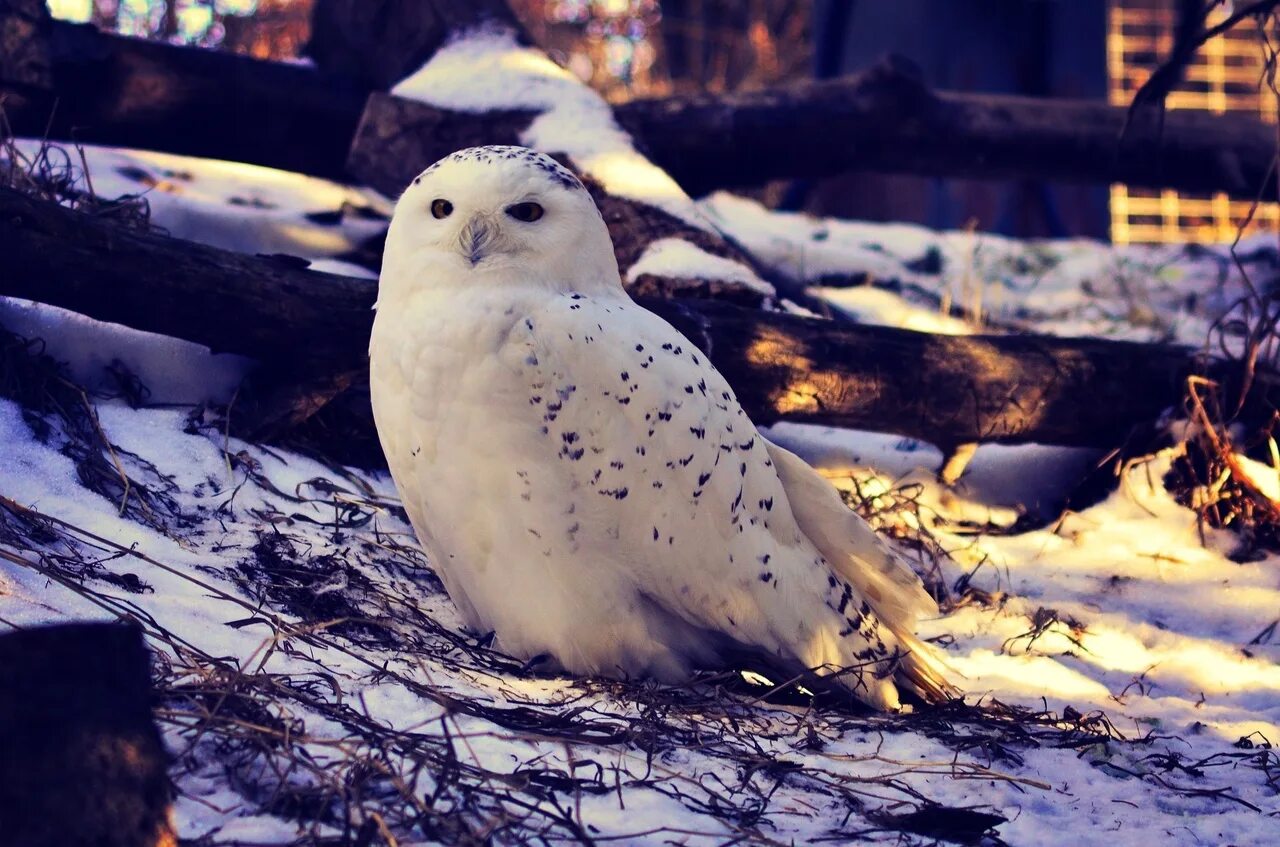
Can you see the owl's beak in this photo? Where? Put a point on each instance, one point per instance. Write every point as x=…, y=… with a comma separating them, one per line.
x=476, y=239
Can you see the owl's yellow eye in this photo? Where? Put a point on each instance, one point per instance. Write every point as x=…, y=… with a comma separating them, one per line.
x=441, y=208
x=527, y=212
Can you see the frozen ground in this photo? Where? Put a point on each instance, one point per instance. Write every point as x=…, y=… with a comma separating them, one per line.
x=312, y=670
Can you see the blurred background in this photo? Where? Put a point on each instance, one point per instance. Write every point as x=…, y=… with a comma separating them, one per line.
x=1041, y=48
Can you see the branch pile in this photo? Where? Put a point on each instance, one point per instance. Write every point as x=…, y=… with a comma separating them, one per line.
x=310, y=329
x=123, y=91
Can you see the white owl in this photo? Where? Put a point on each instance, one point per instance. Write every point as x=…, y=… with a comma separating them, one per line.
x=584, y=481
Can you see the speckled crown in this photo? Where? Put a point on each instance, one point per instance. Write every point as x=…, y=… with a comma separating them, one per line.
x=557, y=172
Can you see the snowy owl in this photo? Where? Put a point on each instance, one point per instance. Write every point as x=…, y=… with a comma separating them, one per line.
x=581, y=477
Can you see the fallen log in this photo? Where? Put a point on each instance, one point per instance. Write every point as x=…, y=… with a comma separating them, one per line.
x=268, y=307
x=489, y=81
x=948, y=390
x=887, y=120
x=380, y=42
x=129, y=92
x=70, y=82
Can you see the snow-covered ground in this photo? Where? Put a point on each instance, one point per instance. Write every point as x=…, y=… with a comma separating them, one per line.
x=902, y=275
x=1127, y=675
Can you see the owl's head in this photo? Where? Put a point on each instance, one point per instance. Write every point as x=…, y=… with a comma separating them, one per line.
x=486, y=215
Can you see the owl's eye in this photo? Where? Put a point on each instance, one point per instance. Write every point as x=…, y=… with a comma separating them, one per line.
x=441, y=208
x=527, y=212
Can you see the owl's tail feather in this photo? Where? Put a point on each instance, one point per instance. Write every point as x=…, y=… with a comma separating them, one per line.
x=895, y=594
x=922, y=672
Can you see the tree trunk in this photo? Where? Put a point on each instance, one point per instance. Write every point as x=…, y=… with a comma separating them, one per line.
x=948, y=390
x=380, y=42
x=267, y=307
x=81, y=761
x=106, y=89
x=886, y=120
x=124, y=91
x=649, y=217
x=25, y=26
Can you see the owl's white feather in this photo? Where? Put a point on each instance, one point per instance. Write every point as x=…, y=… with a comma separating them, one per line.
x=584, y=481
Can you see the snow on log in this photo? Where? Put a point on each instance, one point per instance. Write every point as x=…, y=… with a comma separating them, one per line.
x=490, y=88
x=947, y=390
x=82, y=760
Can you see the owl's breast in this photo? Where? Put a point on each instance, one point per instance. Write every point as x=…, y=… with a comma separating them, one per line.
x=438, y=385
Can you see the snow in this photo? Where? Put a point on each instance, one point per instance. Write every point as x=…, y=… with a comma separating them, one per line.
x=102, y=355
x=680, y=259
x=1166, y=620
x=1118, y=610
x=1065, y=287
x=235, y=206
x=488, y=70
x=246, y=208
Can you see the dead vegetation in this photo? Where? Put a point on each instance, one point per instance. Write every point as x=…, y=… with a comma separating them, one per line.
x=62, y=413
x=301, y=745
x=58, y=173
x=1210, y=474
x=345, y=604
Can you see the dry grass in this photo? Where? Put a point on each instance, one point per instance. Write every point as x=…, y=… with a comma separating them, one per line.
x=271, y=735
x=299, y=743
x=1209, y=474
x=60, y=174
x=1225, y=422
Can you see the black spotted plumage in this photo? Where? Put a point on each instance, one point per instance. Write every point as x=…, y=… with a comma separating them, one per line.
x=586, y=484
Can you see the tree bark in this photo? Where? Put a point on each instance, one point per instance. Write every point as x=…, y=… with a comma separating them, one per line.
x=71, y=82
x=380, y=42
x=24, y=28
x=81, y=761
x=948, y=390
x=124, y=91
x=886, y=120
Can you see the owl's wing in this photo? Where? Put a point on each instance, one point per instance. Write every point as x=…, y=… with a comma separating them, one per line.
x=850, y=545
x=693, y=497
x=856, y=553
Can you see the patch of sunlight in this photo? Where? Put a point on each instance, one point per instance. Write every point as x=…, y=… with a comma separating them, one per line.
x=870, y=305
x=79, y=11
x=193, y=21
x=1265, y=479
x=628, y=173
x=1028, y=676
x=677, y=258
x=528, y=61
x=1116, y=650
x=237, y=7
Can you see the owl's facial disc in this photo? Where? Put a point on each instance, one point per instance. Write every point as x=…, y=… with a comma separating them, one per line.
x=492, y=215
